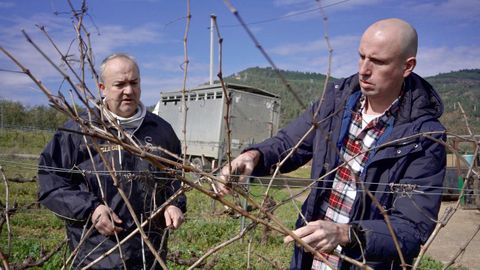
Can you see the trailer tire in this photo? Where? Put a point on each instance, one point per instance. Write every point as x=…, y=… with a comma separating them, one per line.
x=197, y=163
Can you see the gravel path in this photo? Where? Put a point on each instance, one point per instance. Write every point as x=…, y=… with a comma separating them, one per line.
x=454, y=235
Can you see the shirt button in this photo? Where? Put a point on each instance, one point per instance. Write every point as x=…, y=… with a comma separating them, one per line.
x=399, y=151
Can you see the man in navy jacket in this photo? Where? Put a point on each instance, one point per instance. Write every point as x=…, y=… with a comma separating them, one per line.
x=377, y=130
x=75, y=180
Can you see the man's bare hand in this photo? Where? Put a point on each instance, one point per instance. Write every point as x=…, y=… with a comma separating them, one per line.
x=324, y=236
x=243, y=165
x=173, y=217
x=104, y=220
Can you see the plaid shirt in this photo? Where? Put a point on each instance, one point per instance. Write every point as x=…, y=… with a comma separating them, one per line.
x=354, y=153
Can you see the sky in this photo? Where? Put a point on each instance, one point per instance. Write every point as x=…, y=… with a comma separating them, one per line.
x=292, y=32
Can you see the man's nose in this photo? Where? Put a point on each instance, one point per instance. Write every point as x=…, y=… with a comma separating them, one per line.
x=364, y=68
x=128, y=89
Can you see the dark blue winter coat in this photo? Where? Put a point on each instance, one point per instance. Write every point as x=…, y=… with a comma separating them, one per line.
x=68, y=185
x=404, y=157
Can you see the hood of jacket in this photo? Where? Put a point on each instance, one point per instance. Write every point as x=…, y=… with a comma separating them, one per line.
x=419, y=99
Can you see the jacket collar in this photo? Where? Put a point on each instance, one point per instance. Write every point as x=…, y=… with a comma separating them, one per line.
x=419, y=98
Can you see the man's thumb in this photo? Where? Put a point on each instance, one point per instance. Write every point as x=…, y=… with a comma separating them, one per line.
x=115, y=218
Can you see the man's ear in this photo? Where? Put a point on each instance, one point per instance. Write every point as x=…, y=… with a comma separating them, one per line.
x=102, y=87
x=410, y=64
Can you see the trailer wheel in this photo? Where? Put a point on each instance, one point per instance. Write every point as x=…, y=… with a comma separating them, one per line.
x=202, y=163
x=197, y=163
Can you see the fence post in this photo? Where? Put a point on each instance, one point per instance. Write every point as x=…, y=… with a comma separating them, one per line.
x=245, y=205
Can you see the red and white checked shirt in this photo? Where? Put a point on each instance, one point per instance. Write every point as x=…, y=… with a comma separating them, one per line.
x=354, y=154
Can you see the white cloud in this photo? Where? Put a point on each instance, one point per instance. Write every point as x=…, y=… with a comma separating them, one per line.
x=14, y=85
x=452, y=9
x=139, y=1
x=338, y=43
x=313, y=56
x=173, y=63
x=19, y=86
x=432, y=61
x=113, y=37
x=299, y=48
x=10, y=79
x=280, y=3
x=307, y=9
x=341, y=5
x=7, y=4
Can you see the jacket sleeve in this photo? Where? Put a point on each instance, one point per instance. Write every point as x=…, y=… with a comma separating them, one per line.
x=62, y=190
x=275, y=149
x=412, y=214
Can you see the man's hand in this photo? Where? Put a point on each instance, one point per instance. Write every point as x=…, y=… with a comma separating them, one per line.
x=104, y=220
x=173, y=217
x=242, y=165
x=324, y=236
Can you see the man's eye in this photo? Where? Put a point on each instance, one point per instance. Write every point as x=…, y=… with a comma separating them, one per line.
x=377, y=61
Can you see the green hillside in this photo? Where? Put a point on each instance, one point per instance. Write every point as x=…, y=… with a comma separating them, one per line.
x=454, y=87
x=459, y=87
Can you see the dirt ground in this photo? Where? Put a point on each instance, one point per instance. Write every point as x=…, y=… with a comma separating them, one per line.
x=454, y=235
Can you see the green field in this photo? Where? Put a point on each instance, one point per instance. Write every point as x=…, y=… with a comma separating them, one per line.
x=36, y=231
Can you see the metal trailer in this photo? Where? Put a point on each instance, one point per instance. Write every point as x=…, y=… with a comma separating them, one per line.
x=254, y=116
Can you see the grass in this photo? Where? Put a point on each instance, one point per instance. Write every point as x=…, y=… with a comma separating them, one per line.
x=18, y=141
x=36, y=230
x=302, y=172
x=206, y=227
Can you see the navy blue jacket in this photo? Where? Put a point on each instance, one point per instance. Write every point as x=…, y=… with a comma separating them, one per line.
x=73, y=195
x=404, y=157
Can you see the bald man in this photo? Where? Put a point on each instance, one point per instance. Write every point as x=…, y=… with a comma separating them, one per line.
x=368, y=135
x=75, y=184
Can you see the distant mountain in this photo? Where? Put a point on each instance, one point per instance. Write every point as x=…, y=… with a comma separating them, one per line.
x=454, y=87
x=462, y=87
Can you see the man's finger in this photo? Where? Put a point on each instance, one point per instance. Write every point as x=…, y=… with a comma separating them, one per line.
x=117, y=229
x=173, y=217
x=287, y=239
x=248, y=168
x=300, y=232
x=168, y=219
x=175, y=222
x=115, y=218
x=313, y=238
x=178, y=220
x=222, y=189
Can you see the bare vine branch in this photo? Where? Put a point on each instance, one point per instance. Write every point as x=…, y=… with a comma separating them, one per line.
x=184, y=88
x=6, y=211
